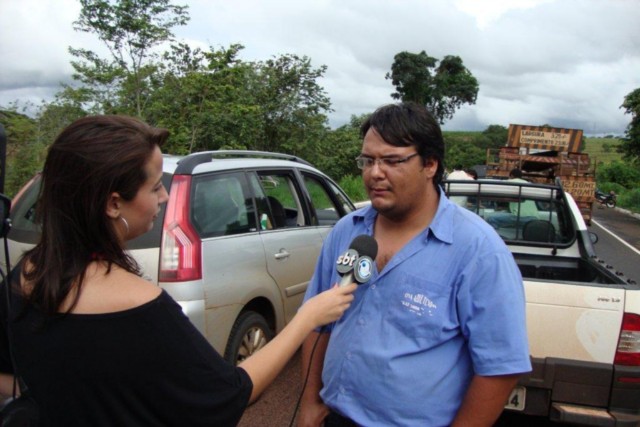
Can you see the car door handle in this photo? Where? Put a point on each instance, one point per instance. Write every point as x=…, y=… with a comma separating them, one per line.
x=282, y=254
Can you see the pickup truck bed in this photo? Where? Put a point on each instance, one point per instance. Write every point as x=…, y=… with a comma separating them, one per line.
x=583, y=317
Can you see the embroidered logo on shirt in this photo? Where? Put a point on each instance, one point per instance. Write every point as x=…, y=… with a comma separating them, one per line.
x=418, y=304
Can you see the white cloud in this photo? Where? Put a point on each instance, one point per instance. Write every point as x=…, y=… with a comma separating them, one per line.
x=488, y=11
x=537, y=61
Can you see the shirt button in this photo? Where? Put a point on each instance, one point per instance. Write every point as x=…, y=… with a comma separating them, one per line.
x=349, y=355
x=342, y=389
x=360, y=321
x=373, y=286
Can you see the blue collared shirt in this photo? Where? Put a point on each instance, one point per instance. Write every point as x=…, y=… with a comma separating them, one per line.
x=448, y=305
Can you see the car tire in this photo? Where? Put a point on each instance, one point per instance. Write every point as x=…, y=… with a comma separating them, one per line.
x=249, y=333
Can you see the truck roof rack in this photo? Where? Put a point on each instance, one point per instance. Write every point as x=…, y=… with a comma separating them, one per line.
x=188, y=163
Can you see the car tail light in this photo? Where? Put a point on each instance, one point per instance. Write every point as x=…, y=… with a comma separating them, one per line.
x=181, y=247
x=628, y=352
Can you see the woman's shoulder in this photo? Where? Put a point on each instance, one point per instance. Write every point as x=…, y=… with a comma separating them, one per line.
x=111, y=290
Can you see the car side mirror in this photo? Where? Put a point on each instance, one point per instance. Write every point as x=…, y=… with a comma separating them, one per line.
x=593, y=237
x=5, y=207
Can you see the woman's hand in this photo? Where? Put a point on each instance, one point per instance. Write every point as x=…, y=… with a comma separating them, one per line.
x=329, y=305
x=6, y=385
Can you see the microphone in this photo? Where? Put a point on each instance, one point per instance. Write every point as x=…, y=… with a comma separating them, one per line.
x=356, y=264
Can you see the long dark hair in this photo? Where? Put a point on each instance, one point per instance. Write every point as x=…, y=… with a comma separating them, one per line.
x=409, y=124
x=91, y=159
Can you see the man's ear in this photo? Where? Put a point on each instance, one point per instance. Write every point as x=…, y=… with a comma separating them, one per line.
x=432, y=167
x=113, y=205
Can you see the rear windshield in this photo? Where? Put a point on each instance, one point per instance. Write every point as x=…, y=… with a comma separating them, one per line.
x=525, y=219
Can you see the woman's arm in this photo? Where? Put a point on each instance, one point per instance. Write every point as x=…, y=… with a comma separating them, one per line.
x=6, y=384
x=266, y=364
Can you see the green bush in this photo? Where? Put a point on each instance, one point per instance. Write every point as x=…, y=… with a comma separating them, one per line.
x=354, y=187
x=605, y=187
x=630, y=199
x=619, y=172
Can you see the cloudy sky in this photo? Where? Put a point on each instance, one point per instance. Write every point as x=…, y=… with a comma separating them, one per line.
x=568, y=63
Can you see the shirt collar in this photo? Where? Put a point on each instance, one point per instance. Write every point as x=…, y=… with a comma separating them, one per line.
x=441, y=226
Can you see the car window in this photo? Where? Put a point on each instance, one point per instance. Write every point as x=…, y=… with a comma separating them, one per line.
x=524, y=219
x=23, y=212
x=342, y=198
x=222, y=205
x=278, y=200
x=326, y=210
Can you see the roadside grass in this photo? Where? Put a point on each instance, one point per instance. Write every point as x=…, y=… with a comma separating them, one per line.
x=602, y=150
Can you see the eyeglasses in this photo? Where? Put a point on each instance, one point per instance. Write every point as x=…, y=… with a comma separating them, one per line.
x=365, y=162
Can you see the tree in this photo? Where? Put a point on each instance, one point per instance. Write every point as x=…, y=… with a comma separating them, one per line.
x=205, y=98
x=24, y=154
x=442, y=88
x=496, y=136
x=630, y=146
x=462, y=150
x=130, y=29
x=336, y=154
x=292, y=102
x=619, y=172
x=212, y=100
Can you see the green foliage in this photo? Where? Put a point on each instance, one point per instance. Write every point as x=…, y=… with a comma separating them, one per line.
x=337, y=152
x=443, y=88
x=630, y=199
x=24, y=153
x=619, y=172
x=293, y=104
x=464, y=148
x=354, y=187
x=624, y=179
x=494, y=136
x=130, y=29
x=597, y=150
x=204, y=99
x=630, y=146
x=213, y=100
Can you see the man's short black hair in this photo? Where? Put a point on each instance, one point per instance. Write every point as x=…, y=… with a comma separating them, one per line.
x=409, y=124
x=515, y=173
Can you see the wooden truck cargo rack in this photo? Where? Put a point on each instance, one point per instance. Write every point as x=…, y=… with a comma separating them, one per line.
x=542, y=154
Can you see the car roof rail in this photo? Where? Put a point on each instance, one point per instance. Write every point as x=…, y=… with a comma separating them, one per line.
x=189, y=162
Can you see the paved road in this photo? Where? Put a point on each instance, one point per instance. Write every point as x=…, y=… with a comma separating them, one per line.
x=619, y=240
x=276, y=407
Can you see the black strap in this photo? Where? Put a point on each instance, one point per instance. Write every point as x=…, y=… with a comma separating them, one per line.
x=8, y=280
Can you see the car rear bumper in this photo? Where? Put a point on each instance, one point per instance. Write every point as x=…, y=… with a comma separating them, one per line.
x=585, y=393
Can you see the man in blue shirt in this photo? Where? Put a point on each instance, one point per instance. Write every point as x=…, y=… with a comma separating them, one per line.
x=437, y=336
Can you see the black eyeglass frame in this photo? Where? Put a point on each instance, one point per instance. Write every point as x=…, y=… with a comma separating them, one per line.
x=365, y=162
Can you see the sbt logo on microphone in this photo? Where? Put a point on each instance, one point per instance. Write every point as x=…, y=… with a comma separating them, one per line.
x=346, y=260
x=362, y=266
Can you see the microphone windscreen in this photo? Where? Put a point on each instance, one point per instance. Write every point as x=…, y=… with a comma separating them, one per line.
x=365, y=246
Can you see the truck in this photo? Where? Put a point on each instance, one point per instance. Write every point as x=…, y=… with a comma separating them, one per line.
x=545, y=153
x=583, y=316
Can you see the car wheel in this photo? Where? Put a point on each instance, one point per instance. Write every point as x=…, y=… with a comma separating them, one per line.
x=249, y=334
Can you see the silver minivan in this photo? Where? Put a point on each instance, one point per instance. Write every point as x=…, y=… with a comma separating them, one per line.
x=235, y=245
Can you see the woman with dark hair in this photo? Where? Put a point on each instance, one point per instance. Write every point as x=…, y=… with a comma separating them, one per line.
x=95, y=343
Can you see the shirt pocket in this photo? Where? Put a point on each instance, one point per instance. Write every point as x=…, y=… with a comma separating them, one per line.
x=418, y=307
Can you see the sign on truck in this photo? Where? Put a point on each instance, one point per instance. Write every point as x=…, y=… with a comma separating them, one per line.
x=545, y=153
